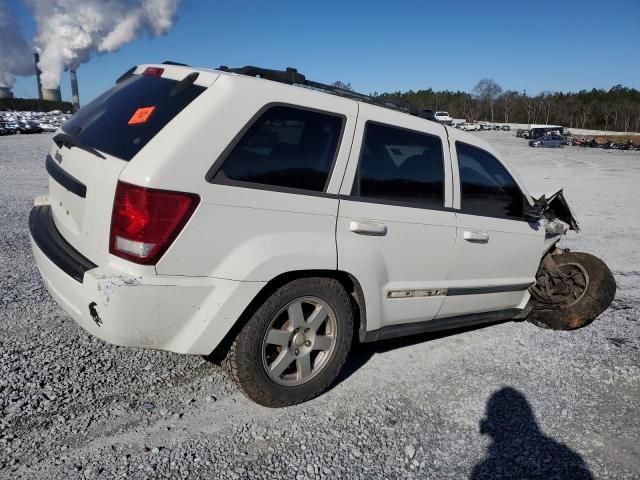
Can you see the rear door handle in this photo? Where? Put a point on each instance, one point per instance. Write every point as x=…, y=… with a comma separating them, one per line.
x=368, y=228
x=475, y=236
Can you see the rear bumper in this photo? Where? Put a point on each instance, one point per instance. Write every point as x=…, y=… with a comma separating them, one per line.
x=179, y=314
x=46, y=236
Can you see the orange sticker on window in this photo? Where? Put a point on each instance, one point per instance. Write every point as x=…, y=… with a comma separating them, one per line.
x=141, y=115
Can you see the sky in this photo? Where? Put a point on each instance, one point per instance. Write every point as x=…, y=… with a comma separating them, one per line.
x=385, y=46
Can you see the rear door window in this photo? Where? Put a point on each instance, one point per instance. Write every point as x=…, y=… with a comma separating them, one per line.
x=285, y=147
x=399, y=165
x=122, y=120
x=486, y=186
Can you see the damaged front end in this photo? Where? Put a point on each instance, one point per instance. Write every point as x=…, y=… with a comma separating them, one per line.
x=557, y=216
x=572, y=288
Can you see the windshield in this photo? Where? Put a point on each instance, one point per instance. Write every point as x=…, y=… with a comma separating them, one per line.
x=121, y=121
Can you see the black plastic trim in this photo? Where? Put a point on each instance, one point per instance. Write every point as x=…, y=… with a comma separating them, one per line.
x=47, y=237
x=397, y=203
x=63, y=178
x=452, y=292
x=438, y=324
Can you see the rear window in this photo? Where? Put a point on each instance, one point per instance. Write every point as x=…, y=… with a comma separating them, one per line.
x=401, y=166
x=122, y=120
x=286, y=147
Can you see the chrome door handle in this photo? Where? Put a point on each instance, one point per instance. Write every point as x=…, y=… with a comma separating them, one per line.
x=368, y=228
x=475, y=236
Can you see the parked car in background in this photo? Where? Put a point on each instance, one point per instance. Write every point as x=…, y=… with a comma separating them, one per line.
x=443, y=117
x=550, y=141
x=13, y=127
x=47, y=127
x=27, y=122
x=506, y=128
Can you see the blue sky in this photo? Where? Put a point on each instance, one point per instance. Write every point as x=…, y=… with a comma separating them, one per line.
x=388, y=46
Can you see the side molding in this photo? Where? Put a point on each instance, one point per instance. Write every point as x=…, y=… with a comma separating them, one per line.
x=403, y=330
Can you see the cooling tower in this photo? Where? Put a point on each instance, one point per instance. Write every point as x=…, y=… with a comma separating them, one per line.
x=52, y=94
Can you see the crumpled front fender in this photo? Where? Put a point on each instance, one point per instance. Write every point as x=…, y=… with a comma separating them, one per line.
x=555, y=207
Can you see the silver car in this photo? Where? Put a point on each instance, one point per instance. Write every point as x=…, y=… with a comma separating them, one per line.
x=551, y=141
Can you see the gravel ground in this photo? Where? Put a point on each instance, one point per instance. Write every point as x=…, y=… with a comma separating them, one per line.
x=508, y=400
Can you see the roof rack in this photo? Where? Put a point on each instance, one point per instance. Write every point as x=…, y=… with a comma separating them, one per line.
x=291, y=76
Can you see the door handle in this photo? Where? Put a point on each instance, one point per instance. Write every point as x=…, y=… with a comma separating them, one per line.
x=475, y=236
x=368, y=228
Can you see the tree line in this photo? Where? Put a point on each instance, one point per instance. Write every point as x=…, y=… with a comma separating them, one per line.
x=616, y=109
x=34, y=105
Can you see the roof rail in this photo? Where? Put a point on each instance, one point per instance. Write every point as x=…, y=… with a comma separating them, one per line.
x=291, y=76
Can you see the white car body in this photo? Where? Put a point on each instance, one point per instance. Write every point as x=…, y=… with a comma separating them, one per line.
x=443, y=117
x=410, y=265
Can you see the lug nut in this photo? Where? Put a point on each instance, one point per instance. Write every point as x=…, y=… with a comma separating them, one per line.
x=296, y=351
x=308, y=343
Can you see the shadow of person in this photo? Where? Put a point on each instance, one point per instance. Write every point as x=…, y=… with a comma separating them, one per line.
x=518, y=448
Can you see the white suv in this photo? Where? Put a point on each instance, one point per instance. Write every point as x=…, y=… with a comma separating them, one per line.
x=275, y=220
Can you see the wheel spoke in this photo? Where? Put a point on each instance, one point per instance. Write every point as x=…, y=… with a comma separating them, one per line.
x=303, y=365
x=278, y=337
x=280, y=364
x=322, y=342
x=317, y=318
x=295, y=314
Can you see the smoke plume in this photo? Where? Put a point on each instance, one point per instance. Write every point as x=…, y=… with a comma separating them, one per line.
x=70, y=31
x=16, y=57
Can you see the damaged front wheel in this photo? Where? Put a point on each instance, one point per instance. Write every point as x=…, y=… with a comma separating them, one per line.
x=571, y=290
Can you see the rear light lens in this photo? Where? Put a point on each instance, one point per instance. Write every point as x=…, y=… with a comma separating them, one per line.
x=146, y=221
x=154, y=71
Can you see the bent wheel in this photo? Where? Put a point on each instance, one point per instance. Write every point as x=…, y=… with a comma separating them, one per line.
x=295, y=344
x=571, y=290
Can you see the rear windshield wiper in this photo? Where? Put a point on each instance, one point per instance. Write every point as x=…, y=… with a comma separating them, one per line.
x=69, y=141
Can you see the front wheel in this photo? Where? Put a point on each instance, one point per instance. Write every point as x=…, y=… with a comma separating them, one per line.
x=571, y=290
x=295, y=344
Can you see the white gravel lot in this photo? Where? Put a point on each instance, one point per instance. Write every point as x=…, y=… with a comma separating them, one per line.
x=554, y=404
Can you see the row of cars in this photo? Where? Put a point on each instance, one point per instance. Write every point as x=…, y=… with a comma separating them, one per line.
x=15, y=123
x=474, y=127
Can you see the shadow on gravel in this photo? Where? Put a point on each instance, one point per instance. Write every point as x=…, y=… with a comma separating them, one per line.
x=361, y=353
x=518, y=448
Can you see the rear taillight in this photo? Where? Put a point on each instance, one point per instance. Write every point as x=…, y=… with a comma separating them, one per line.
x=146, y=221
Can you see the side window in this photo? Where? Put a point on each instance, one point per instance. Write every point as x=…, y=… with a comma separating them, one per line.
x=400, y=165
x=487, y=188
x=285, y=147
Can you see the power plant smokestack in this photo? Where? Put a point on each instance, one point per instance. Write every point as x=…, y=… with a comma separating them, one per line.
x=36, y=56
x=75, y=95
x=70, y=32
x=5, y=92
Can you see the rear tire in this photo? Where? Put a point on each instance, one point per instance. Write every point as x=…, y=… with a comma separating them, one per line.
x=586, y=302
x=295, y=344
